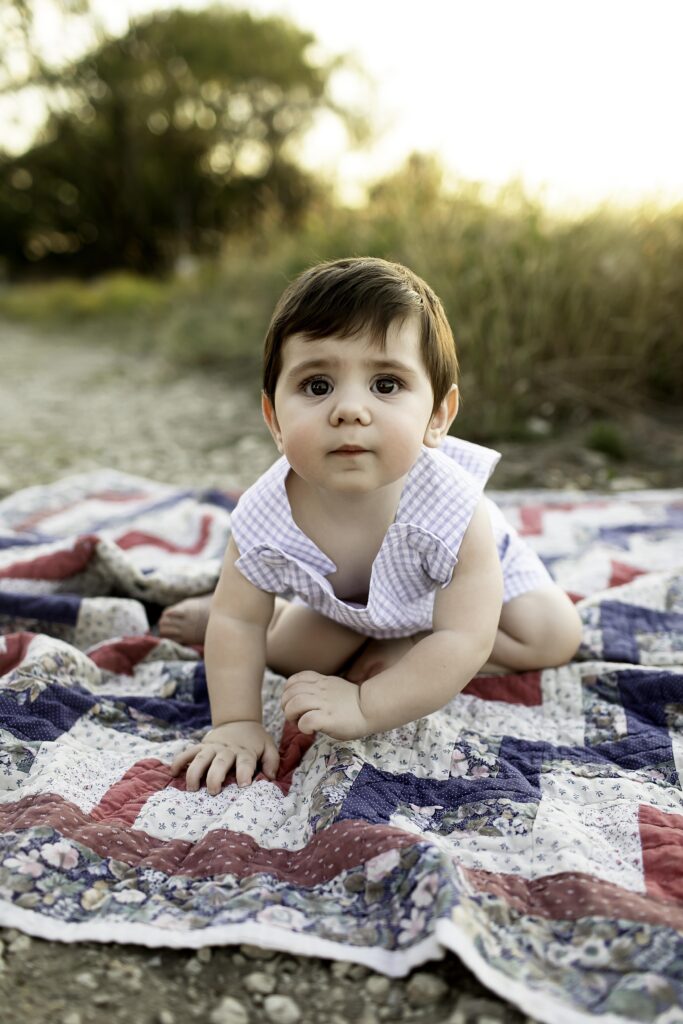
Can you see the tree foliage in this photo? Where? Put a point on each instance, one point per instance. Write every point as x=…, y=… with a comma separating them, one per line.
x=169, y=138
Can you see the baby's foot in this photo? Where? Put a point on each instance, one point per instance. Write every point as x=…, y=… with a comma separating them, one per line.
x=186, y=621
x=376, y=656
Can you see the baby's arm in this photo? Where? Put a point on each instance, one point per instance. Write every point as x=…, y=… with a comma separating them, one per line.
x=235, y=656
x=466, y=617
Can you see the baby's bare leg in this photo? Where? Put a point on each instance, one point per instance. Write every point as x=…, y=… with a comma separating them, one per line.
x=540, y=629
x=299, y=638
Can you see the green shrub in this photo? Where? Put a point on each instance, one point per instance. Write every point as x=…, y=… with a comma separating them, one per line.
x=550, y=315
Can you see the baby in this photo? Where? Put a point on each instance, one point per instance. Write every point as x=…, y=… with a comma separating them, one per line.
x=365, y=565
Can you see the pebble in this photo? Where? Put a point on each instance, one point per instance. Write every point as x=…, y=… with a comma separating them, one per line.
x=627, y=483
x=377, y=986
x=19, y=943
x=256, y=953
x=260, y=982
x=72, y=1017
x=281, y=1009
x=367, y=1016
x=229, y=1011
x=484, y=1011
x=204, y=955
x=87, y=979
x=128, y=974
x=423, y=988
x=193, y=966
x=165, y=1017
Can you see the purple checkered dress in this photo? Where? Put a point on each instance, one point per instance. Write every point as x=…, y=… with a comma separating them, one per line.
x=418, y=554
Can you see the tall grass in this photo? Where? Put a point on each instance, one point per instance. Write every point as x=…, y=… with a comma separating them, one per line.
x=550, y=315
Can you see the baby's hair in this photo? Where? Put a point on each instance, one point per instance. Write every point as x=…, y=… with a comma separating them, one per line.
x=345, y=297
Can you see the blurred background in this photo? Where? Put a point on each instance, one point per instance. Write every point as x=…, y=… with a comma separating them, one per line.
x=165, y=169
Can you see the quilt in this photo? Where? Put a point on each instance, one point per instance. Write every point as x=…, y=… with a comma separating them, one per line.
x=534, y=826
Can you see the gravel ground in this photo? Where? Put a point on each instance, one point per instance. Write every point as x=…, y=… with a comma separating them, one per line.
x=65, y=409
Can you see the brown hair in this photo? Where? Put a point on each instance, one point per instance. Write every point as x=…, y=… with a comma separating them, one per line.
x=346, y=296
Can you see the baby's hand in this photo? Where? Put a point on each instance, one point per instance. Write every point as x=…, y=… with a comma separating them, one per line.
x=326, y=704
x=240, y=743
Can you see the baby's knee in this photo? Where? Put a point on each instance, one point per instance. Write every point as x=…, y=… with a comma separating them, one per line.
x=547, y=623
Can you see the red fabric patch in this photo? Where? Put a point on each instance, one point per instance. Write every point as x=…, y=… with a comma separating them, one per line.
x=522, y=688
x=16, y=646
x=122, y=803
x=122, y=656
x=38, y=517
x=136, y=538
x=571, y=895
x=531, y=516
x=622, y=573
x=531, y=520
x=661, y=840
x=56, y=566
x=341, y=846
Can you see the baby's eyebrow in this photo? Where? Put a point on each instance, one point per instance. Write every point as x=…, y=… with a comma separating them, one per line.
x=385, y=365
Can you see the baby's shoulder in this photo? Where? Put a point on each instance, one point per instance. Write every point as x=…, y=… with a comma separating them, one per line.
x=262, y=504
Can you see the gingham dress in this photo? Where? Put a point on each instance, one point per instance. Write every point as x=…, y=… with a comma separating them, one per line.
x=418, y=554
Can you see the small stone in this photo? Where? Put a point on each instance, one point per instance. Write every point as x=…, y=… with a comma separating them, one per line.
x=627, y=483
x=72, y=1017
x=377, y=987
x=340, y=968
x=229, y=1011
x=281, y=1009
x=20, y=943
x=256, y=953
x=193, y=966
x=358, y=971
x=165, y=1017
x=204, y=955
x=87, y=980
x=423, y=988
x=259, y=981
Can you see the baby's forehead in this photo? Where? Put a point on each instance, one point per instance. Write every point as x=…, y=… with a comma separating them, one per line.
x=398, y=333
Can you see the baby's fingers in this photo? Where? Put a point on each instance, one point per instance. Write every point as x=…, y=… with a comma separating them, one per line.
x=270, y=759
x=183, y=758
x=195, y=772
x=244, y=768
x=220, y=767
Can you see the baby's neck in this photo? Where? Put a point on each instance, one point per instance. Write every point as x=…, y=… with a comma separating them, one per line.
x=318, y=512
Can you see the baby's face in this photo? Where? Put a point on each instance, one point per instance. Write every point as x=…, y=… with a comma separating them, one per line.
x=350, y=416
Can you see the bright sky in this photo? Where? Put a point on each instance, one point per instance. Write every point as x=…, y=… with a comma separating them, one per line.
x=578, y=98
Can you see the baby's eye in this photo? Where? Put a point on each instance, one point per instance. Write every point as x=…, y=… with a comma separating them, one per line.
x=386, y=385
x=317, y=387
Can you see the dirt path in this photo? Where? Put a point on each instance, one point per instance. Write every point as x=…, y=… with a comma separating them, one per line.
x=66, y=409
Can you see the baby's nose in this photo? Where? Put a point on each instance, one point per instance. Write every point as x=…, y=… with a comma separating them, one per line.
x=351, y=406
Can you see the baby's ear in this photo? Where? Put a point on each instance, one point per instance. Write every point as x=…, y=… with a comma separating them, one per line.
x=442, y=417
x=268, y=410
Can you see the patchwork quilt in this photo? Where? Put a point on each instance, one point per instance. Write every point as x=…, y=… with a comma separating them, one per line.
x=534, y=826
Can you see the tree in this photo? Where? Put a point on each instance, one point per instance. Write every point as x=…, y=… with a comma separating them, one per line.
x=181, y=131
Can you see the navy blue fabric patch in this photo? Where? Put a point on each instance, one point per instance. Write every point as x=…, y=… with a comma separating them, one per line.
x=376, y=794
x=219, y=498
x=621, y=624
x=62, y=608
x=51, y=714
